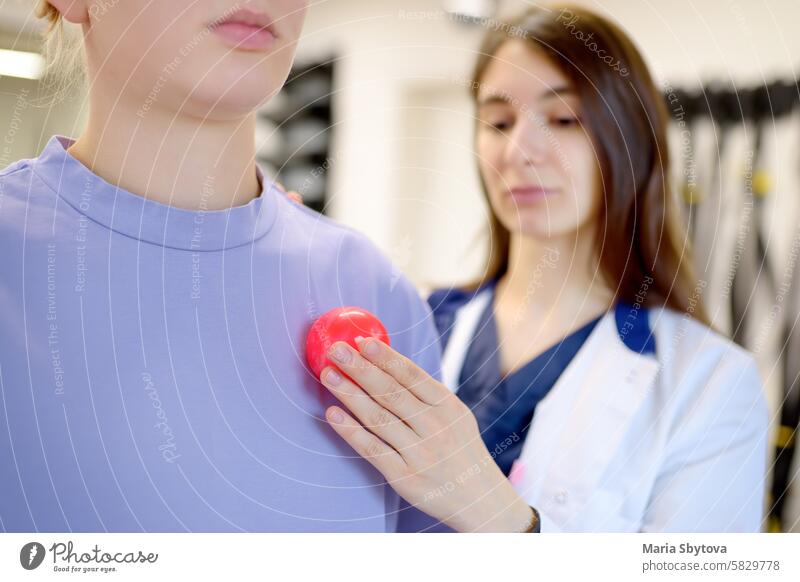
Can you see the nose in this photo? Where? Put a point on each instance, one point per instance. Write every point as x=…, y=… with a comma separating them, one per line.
x=529, y=142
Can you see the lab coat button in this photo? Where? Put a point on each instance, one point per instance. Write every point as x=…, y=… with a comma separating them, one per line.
x=561, y=497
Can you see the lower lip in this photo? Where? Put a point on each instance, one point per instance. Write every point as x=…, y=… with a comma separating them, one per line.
x=244, y=36
x=530, y=195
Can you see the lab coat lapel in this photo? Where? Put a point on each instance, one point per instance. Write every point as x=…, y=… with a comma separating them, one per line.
x=579, y=425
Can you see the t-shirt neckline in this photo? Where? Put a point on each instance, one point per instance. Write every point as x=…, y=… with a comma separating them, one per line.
x=149, y=221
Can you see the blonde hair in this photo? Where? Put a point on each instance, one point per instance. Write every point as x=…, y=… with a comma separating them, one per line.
x=49, y=13
x=65, y=68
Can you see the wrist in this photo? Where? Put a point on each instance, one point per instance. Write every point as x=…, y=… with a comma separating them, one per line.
x=526, y=520
x=510, y=515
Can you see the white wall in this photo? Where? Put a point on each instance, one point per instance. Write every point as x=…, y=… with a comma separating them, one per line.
x=395, y=157
x=692, y=40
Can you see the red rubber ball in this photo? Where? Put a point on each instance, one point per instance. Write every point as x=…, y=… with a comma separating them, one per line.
x=340, y=324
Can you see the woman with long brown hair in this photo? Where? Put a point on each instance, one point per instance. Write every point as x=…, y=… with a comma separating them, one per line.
x=592, y=394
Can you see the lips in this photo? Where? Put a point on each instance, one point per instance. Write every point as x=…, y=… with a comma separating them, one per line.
x=245, y=29
x=530, y=193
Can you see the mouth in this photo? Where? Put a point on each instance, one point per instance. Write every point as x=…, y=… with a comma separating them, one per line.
x=529, y=193
x=246, y=30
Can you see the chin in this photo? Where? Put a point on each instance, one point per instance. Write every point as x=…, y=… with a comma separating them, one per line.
x=540, y=225
x=534, y=232
x=227, y=102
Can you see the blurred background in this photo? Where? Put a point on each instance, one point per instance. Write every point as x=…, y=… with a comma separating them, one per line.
x=375, y=130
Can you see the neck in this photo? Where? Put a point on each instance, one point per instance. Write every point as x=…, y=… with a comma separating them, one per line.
x=178, y=160
x=557, y=278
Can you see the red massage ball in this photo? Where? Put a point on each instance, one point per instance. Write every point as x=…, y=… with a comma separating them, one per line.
x=340, y=324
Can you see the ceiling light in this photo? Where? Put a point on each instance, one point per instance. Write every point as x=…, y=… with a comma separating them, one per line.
x=21, y=64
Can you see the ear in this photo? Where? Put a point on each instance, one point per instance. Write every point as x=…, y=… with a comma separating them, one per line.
x=75, y=11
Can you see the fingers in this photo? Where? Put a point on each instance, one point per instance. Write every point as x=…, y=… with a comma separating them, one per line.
x=381, y=386
x=381, y=456
x=372, y=415
x=404, y=371
x=290, y=194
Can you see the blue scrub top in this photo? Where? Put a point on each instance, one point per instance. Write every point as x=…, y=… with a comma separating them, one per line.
x=504, y=406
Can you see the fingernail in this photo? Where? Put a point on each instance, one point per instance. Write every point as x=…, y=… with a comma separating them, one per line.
x=341, y=354
x=335, y=416
x=333, y=377
x=370, y=347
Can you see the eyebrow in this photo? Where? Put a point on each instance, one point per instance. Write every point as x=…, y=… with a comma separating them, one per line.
x=547, y=94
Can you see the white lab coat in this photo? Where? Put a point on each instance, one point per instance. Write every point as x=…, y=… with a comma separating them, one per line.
x=628, y=442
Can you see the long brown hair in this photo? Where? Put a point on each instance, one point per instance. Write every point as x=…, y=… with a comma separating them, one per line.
x=641, y=245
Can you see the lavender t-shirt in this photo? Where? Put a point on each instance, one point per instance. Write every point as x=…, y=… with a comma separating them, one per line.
x=152, y=373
